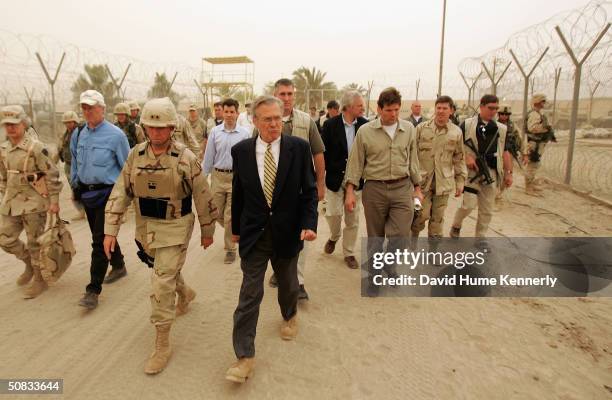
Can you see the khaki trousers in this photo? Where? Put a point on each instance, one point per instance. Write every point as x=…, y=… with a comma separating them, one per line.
x=222, y=197
x=484, y=199
x=334, y=211
x=166, y=280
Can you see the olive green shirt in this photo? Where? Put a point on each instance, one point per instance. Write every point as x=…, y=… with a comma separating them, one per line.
x=312, y=136
x=374, y=156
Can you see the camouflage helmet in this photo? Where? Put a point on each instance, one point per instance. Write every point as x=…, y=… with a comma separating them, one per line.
x=121, y=108
x=193, y=107
x=159, y=113
x=134, y=105
x=13, y=115
x=538, y=98
x=505, y=109
x=70, y=116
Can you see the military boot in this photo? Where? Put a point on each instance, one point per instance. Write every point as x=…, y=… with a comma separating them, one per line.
x=185, y=297
x=159, y=359
x=37, y=286
x=27, y=274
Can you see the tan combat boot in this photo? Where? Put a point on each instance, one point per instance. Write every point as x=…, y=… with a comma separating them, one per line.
x=241, y=370
x=159, y=359
x=185, y=297
x=37, y=286
x=27, y=274
x=289, y=329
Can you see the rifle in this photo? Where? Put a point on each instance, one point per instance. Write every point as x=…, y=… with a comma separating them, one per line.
x=515, y=149
x=481, y=162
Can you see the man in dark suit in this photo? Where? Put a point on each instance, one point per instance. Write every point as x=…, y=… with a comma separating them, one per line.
x=416, y=117
x=274, y=209
x=338, y=135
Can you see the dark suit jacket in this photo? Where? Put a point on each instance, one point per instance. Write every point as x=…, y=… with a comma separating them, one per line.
x=294, y=203
x=336, y=150
x=414, y=122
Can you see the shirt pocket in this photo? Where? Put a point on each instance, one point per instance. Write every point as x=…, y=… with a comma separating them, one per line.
x=101, y=156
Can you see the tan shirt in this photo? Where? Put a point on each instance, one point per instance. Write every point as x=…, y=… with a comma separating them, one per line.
x=537, y=123
x=374, y=156
x=181, y=176
x=441, y=157
x=199, y=129
x=183, y=134
x=18, y=197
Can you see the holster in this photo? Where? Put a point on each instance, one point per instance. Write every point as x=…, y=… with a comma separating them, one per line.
x=144, y=257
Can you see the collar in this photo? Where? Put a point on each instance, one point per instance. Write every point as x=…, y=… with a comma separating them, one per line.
x=260, y=141
x=378, y=124
x=228, y=131
x=346, y=123
x=152, y=156
x=95, y=128
x=24, y=144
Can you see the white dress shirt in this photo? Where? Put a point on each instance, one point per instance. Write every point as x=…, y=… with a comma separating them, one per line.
x=260, y=153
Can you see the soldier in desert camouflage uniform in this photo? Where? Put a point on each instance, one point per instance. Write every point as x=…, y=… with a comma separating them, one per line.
x=162, y=176
x=30, y=186
x=442, y=163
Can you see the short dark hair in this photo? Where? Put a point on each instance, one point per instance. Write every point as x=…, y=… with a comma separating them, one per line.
x=445, y=100
x=333, y=104
x=389, y=96
x=283, y=82
x=218, y=104
x=231, y=103
x=488, y=98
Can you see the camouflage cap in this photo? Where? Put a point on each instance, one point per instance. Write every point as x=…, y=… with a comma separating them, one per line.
x=193, y=107
x=70, y=116
x=538, y=98
x=121, y=108
x=134, y=105
x=505, y=109
x=13, y=114
x=159, y=113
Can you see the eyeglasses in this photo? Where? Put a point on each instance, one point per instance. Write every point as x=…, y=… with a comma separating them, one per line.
x=271, y=120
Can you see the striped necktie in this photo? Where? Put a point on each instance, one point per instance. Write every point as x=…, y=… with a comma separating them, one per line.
x=269, y=175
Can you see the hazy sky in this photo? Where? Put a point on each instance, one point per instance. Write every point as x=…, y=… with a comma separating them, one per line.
x=391, y=42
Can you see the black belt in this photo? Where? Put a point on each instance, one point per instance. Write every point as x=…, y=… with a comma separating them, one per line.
x=227, y=171
x=390, y=181
x=96, y=186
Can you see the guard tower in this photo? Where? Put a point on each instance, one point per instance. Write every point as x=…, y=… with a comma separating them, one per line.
x=221, y=75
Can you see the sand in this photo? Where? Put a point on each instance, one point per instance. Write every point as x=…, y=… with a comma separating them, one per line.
x=348, y=347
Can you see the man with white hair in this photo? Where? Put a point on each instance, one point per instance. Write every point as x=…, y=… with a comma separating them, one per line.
x=98, y=152
x=338, y=135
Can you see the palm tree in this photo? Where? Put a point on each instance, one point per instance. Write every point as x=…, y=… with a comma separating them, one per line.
x=95, y=77
x=354, y=86
x=312, y=81
x=162, y=87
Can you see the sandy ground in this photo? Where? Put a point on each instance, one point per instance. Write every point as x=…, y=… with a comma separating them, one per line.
x=348, y=347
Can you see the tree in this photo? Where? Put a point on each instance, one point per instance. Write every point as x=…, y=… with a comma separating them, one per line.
x=313, y=81
x=354, y=86
x=96, y=78
x=269, y=88
x=162, y=88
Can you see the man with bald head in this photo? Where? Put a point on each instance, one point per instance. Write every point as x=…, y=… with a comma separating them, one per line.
x=415, y=117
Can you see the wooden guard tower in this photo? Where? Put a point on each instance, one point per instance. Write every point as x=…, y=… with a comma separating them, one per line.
x=222, y=74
